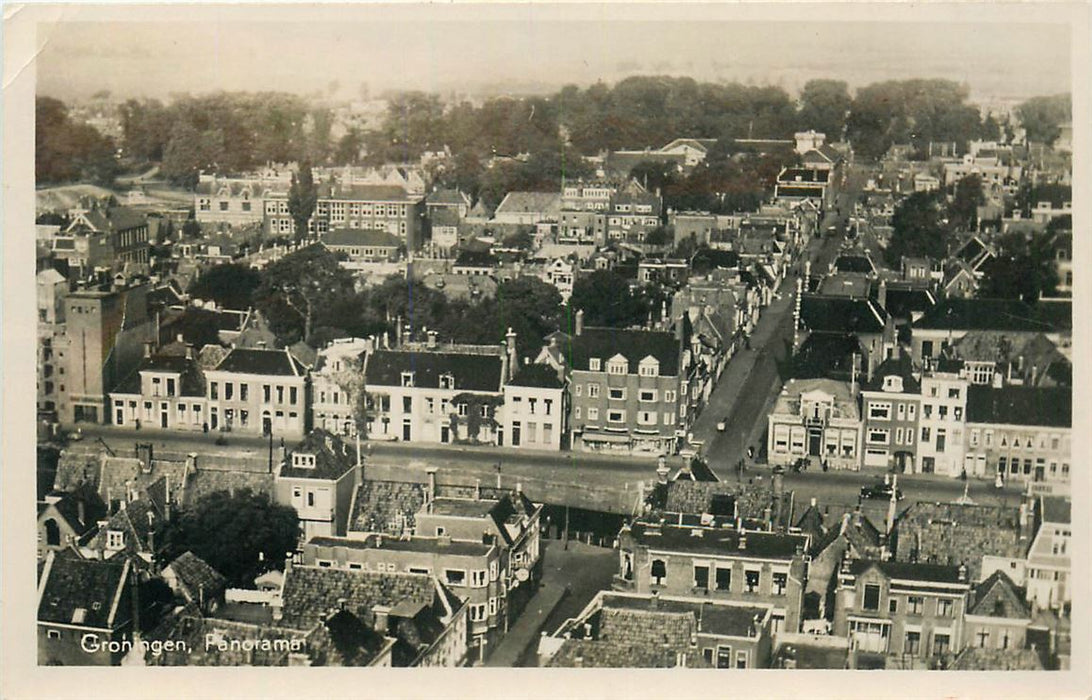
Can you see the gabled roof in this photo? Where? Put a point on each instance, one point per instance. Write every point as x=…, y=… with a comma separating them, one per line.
x=84, y=592
x=998, y=315
x=450, y=197
x=471, y=372
x=634, y=345
x=311, y=594
x=1021, y=405
x=257, y=361
x=474, y=258
x=530, y=202
x=998, y=596
x=355, y=237
x=925, y=573
x=386, y=506
x=333, y=457
x=902, y=367
x=191, y=379
x=727, y=541
x=540, y=376
x=836, y=314
x=195, y=577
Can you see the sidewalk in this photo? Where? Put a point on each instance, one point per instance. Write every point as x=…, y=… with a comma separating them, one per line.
x=525, y=632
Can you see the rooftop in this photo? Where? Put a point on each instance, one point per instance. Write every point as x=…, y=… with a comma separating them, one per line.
x=311, y=593
x=333, y=457
x=998, y=315
x=353, y=237
x=470, y=372
x=458, y=548
x=1056, y=509
x=954, y=533
x=840, y=314
x=82, y=591
x=262, y=362
x=634, y=345
x=924, y=573
x=1020, y=405
x=706, y=540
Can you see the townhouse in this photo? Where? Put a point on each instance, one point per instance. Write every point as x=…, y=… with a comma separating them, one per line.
x=536, y=410
x=818, y=420
x=337, y=385
x=318, y=478
x=626, y=388
x=1048, y=563
x=437, y=393
x=942, y=422
x=951, y=319
x=1020, y=433
x=713, y=557
x=910, y=615
x=998, y=616
x=231, y=200
x=108, y=238
x=890, y=404
x=256, y=391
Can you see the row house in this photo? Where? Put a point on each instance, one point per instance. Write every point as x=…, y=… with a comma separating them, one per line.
x=1019, y=433
x=372, y=207
x=362, y=245
x=912, y=615
x=562, y=273
x=941, y=423
x=582, y=219
x=951, y=319
x=632, y=214
x=626, y=388
x=438, y=394
x=890, y=403
x=631, y=630
x=258, y=392
x=443, y=228
x=1048, y=579
x=715, y=558
x=337, y=385
x=164, y=391
x=536, y=410
x=818, y=420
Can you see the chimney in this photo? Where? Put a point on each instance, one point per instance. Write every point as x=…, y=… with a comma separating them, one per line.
x=519, y=488
x=189, y=351
x=382, y=619
x=81, y=511
x=881, y=295
x=431, y=345
x=814, y=502
x=430, y=494
x=477, y=489
x=148, y=346
x=510, y=342
x=742, y=540
x=579, y=321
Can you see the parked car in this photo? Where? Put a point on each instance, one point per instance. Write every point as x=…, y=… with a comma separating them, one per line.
x=880, y=491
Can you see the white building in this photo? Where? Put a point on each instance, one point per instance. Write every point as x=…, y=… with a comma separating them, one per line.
x=338, y=385
x=535, y=409
x=941, y=443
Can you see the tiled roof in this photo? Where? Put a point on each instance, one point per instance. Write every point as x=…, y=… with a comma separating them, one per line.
x=82, y=591
x=585, y=653
x=1021, y=405
x=124, y=218
x=190, y=628
x=267, y=362
x=407, y=544
x=826, y=355
x=75, y=469
x=386, y=506
x=444, y=217
x=953, y=534
x=634, y=345
x=365, y=193
x=981, y=659
x=705, y=616
x=540, y=376
x=93, y=509
x=118, y=474
x=195, y=576
x=138, y=522
x=926, y=573
x=998, y=596
x=530, y=202
x=1056, y=509
x=472, y=372
x=1006, y=346
x=902, y=367
x=360, y=237
x=760, y=544
x=998, y=315
x=447, y=196
x=751, y=500
x=207, y=481
x=837, y=314
x=191, y=379
x=333, y=457
x=311, y=594
x=805, y=652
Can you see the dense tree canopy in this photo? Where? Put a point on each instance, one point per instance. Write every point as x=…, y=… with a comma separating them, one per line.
x=1042, y=116
x=296, y=289
x=231, y=285
x=606, y=300
x=1023, y=269
x=241, y=535
x=920, y=228
x=824, y=106
x=968, y=196
x=67, y=151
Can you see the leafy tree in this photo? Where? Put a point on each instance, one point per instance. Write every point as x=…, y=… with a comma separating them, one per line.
x=523, y=238
x=963, y=210
x=1042, y=116
x=191, y=229
x=297, y=287
x=231, y=285
x=824, y=105
x=302, y=199
x=919, y=228
x=606, y=299
x=1023, y=269
x=67, y=151
x=241, y=536
x=658, y=236
x=349, y=147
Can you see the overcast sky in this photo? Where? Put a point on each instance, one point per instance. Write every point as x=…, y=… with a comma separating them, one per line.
x=531, y=48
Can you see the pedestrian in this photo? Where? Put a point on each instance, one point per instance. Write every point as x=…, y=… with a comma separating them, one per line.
x=205, y=428
x=750, y=452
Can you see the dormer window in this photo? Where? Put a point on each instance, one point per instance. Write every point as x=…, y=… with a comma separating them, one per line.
x=115, y=540
x=447, y=381
x=407, y=379
x=303, y=460
x=649, y=367
x=594, y=364
x=892, y=383
x=617, y=365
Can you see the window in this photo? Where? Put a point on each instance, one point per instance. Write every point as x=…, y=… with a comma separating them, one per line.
x=407, y=379
x=953, y=393
x=893, y=605
x=707, y=654
x=462, y=409
x=741, y=659
x=648, y=370
x=616, y=416
x=483, y=411
x=925, y=435
x=724, y=579
x=214, y=390
x=871, y=597
x=659, y=571
x=913, y=643
x=477, y=612
x=911, y=411
x=701, y=577
x=593, y=413
x=648, y=395
x=669, y=396
x=492, y=606
x=780, y=583
x=493, y=571
x=265, y=393
x=617, y=394
x=617, y=367
x=579, y=389
x=593, y=391
x=877, y=436
x=477, y=578
x=292, y=396
x=455, y=577
x=115, y=539
x=594, y=364
x=944, y=607
x=751, y=581
x=941, y=643
x=914, y=604
x=724, y=657
x=879, y=411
